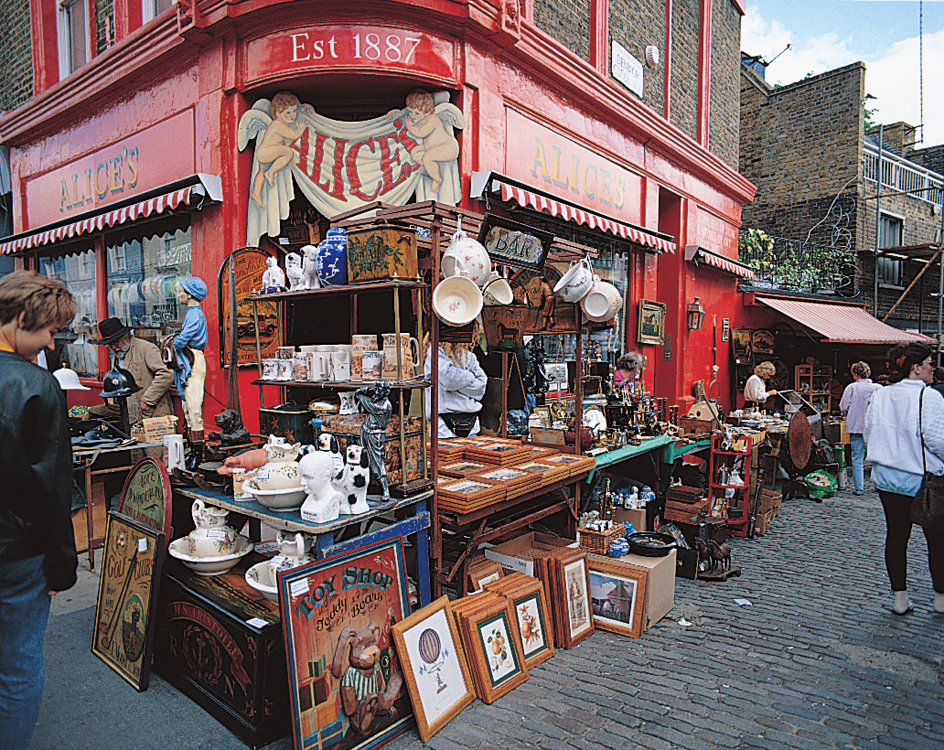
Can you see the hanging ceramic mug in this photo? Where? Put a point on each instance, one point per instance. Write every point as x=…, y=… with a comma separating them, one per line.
x=457, y=301
x=576, y=282
x=602, y=301
x=497, y=291
x=468, y=256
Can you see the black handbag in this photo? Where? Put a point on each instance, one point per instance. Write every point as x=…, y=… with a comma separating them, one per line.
x=927, y=508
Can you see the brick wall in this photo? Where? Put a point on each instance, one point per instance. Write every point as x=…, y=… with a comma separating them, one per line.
x=636, y=24
x=930, y=158
x=685, y=25
x=725, y=82
x=16, y=61
x=568, y=21
x=800, y=145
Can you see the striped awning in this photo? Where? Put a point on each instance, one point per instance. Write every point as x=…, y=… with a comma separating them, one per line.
x=483, y=182
x=192, y=196
x=841, y=324
x=697, y=255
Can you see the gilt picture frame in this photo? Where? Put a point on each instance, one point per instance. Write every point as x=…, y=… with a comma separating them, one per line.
x=651, y=322
x=482, y=572
x=617, y=595
x=494, y=648
x=435, y=669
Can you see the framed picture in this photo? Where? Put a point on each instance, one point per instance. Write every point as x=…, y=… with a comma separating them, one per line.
x=461, y=469
x=434, y=666
x=573, y=596
x=514, y=244
x=123, y=636
x=741, y=345
x=482, y=572
x=651, y=322
x=763, y=342
x=618, y=596
x=543, y=415
x=345, y=680
x=494, y=648
x=535, y=625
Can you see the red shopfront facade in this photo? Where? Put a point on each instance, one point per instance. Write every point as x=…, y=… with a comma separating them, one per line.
x=97, y=160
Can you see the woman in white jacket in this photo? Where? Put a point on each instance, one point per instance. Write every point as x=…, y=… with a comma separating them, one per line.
x=894, y=449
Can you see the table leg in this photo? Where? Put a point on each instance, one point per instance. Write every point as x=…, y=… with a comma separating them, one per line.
x=422, y=560
x=89, y=515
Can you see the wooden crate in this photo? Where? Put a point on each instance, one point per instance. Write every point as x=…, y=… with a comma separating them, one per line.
x=762, y=522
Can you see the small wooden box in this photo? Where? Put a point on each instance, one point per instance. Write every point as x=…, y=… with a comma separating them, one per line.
x=347, y=429
x=381, y=252
x=691, y=426
x=207, y=648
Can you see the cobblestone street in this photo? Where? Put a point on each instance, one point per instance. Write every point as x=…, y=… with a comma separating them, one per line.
x=816, y=660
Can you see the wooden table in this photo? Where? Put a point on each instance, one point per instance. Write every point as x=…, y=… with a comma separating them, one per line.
x=327, y=535
x=467, y=530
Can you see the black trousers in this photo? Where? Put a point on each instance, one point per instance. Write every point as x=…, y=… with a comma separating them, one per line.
x=898, y=532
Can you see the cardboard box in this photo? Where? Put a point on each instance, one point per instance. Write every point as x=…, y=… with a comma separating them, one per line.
x=634, y=516
x=762, y=522
x=153, y=429
x=518, y=553
x=769, y=501
x=660, y=583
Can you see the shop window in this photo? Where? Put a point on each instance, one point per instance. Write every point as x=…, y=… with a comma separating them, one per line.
x=153, y=8
x=73, y=36
x=75, y=346
x=142, y=271
x=889, y=235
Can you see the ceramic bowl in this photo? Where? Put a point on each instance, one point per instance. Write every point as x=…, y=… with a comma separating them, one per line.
x=497, y=291
x=468, y=256
x=602, y=302
x=209, y=566
x=260, y=577
x=576, y=282
x=457, y=301
x=215, y=542
x=278, y=500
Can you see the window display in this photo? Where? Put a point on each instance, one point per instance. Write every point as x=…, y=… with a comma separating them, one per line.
x=76, y=345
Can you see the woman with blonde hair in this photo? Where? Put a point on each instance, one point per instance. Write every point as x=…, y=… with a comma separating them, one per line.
x=461, y=387
x=854, y=402
x=755, y=389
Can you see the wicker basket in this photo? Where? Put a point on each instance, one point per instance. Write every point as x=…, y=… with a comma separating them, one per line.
x=598, y=542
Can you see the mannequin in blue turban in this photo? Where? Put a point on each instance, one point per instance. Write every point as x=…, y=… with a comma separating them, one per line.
x=191, y=374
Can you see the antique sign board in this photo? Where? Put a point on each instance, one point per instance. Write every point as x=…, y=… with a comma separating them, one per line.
x=127, y=599
x=146, y=496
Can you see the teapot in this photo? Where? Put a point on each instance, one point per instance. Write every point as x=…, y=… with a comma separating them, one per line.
x=281, y=470
x=294, y=550
x=212, y=537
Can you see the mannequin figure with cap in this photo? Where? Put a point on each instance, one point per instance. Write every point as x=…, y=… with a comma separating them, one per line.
x=143, y=360
x=190, y=377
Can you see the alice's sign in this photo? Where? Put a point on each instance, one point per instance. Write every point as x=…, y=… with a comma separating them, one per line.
x=340, y=165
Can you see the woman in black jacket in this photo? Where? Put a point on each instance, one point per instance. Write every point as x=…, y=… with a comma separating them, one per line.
x=37, y=547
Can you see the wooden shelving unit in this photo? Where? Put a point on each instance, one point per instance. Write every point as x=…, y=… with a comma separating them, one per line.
x=813, y=384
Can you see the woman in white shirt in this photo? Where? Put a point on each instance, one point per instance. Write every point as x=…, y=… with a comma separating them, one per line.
x=893, y=440
x=461, y=388
x=755, y=389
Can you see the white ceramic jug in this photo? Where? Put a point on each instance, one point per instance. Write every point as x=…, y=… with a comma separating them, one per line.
x=212, y=537
x=174, y=451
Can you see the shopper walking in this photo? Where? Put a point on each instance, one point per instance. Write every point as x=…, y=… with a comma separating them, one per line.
x=854, y=402
x=893, y=441
x=37, y=547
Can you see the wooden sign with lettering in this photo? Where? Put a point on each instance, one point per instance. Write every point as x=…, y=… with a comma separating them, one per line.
x=146, y=496
x=127, y=596
x=504, y=322
x=249, y=265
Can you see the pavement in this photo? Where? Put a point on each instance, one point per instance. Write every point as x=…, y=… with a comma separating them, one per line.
x=812, y=658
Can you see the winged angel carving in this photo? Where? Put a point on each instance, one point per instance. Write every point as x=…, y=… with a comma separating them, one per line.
x=419, y=156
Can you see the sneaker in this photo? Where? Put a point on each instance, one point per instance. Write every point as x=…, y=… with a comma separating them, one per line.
x=858, y=493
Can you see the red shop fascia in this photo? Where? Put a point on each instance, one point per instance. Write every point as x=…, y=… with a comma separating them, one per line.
x=154, y=121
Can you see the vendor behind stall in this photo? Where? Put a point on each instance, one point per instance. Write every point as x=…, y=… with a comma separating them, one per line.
x=627, y=367
x=755, y=389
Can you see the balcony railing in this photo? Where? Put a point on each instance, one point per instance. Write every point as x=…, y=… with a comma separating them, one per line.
x=793, y=265
x=901, y=174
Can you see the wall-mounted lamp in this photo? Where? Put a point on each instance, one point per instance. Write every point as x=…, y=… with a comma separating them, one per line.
x=696, y=315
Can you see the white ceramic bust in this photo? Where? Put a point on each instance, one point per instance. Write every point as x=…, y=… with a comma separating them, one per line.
x=273, y=275
x=323, y=503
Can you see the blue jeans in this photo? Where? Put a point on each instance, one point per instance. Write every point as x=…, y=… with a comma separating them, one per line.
x=858, y=460
x=24, y=609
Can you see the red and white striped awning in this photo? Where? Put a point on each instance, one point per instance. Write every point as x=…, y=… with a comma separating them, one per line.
x=841, y=324
x=696, y=254
x=531, y=198
x=96, y=223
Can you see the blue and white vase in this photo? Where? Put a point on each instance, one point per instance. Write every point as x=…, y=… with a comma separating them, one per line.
x=331, y=258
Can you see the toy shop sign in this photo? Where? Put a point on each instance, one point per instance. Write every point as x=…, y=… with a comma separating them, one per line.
x=351, y=47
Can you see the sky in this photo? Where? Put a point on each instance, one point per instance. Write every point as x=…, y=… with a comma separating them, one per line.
x=884, y=34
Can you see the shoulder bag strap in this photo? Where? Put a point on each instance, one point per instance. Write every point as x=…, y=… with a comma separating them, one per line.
x=924, y=460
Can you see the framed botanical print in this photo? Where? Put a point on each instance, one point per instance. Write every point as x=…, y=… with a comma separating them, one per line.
x=618, y=596
x=345, y=680
x=535, y=625
x=494, y=648
x=651, y=328
x=434, y=666
x=125, y=625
